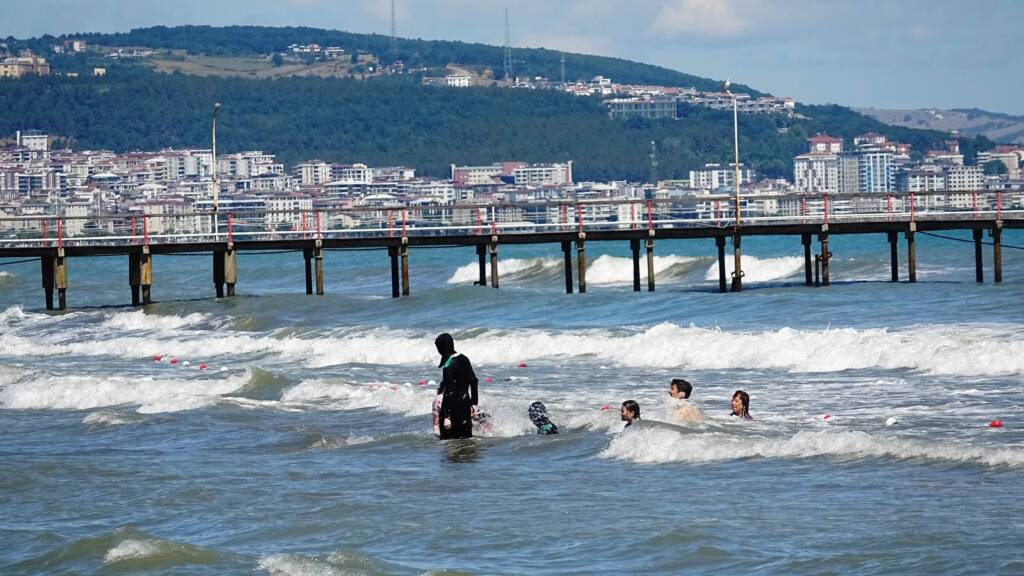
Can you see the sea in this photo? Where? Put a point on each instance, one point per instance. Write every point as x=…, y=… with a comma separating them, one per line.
x=291, y=435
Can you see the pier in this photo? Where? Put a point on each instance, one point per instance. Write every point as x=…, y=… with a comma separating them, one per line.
x=58, y=241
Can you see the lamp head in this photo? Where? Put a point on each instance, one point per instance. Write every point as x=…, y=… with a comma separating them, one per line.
x=726, y=86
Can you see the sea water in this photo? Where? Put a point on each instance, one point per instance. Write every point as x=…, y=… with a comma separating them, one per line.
x=305, y=446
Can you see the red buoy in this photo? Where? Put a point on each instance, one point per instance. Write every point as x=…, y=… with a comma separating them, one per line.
x=202, y=365
x=522, y=364
x=605, y=407
x=157, y=358
x=995, y=424
x=174, y=360
x=488, y=379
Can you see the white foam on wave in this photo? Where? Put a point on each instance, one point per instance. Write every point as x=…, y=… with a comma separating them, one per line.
x=389, y=397
x=662, y=446
x=108, y=418
x=992, y=349
x=151, y=395
x=508, y=267
x=606, y=269
x=140, y=320
x=760, y=269
x=131, y=549
x=341, y=563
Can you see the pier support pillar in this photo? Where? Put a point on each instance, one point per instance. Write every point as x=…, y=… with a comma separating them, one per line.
x=997, y=251
x=230, y=269
x=218, y=272
x=817, y=270
x=47, y=269
x=808, y=272
x=307, y=256
x=650, y=260
x=894, y=256
x=825, y=254
x=494, y=261
x=737, y=272
x=979, y=265
x=634, y=248
x=146, y=274
x=581, y=261
x=60, y=279
x=393, y=256
x=318, y=265
x=567, y=253
x=404, y=252
x=911, y=253
x=481, y=256
x=720, y=244
x=133, y=277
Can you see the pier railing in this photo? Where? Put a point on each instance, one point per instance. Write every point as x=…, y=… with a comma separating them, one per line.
x=174, y=223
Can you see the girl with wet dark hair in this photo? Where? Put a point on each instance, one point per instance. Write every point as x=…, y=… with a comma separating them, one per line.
x=741, y=405
x=458, y=388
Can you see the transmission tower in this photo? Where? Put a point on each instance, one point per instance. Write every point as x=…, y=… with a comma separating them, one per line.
x=563, y=67
x=394, y=34
x=654, y=163
x=508, y=50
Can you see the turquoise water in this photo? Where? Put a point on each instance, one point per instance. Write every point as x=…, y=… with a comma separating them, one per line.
x=305, y=446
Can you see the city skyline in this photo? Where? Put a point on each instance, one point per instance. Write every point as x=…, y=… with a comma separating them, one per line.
x=872, y=54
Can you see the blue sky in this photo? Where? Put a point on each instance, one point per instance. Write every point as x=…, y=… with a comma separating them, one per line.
x=886, y=54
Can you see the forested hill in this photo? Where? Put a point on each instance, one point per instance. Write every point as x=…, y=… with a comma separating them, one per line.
x=393, y=121
x=262, y=41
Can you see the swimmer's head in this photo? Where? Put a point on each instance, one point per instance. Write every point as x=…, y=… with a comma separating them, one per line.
x=680, y=388
x=538, y=414
x=630, y=411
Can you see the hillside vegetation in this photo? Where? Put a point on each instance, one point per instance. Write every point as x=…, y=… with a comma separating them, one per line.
x=394, y=120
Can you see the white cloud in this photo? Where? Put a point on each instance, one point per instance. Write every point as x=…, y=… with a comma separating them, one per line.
x=701, y=17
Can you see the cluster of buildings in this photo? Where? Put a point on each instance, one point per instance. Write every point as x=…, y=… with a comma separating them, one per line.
x=876, y=165
x=316, y=50
x=24, y=64
x=36, y=179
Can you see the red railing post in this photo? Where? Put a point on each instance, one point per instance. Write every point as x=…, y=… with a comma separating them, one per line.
x=579, y=216
x=479, y=220
x=718, y=212
x=391, y=223
x=60, y=234
x=230, y=229
x=650, y=215
x=826, y=208
x=145, y=230
x=404, y=233
x=494, y=221
x=999, y=205
x=319, y=234
x=632, y=216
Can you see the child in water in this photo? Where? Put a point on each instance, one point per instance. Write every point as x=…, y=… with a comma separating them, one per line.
x=680, y=391
x=539, y=416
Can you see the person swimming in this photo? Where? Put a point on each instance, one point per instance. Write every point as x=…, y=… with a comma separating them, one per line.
x=630, y=412
x=482, y=422
x=741, y=405
x=680, y=391
x=539, y=416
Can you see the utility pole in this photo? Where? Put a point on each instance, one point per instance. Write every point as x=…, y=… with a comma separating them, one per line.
x=654, y=164
x=508, y=50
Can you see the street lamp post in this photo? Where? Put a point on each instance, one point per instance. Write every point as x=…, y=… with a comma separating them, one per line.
x=213, y=138
x=737, y=274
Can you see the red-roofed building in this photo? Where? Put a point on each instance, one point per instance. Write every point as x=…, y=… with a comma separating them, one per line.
x=824, y=143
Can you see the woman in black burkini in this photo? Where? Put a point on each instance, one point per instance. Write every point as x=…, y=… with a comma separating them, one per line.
x=459, y=387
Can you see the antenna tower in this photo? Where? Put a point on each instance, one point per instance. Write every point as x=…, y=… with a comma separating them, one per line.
x=563, y=67
x=394, y=35
x=508, y=50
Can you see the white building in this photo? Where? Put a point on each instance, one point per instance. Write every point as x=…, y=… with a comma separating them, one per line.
x=458, y=81
x=714, y=177
x=816, y=172
x=32, y=139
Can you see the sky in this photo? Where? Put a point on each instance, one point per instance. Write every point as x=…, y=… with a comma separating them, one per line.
x=862, y=53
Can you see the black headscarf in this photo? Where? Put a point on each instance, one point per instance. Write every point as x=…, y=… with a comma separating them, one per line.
x=445, y=347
